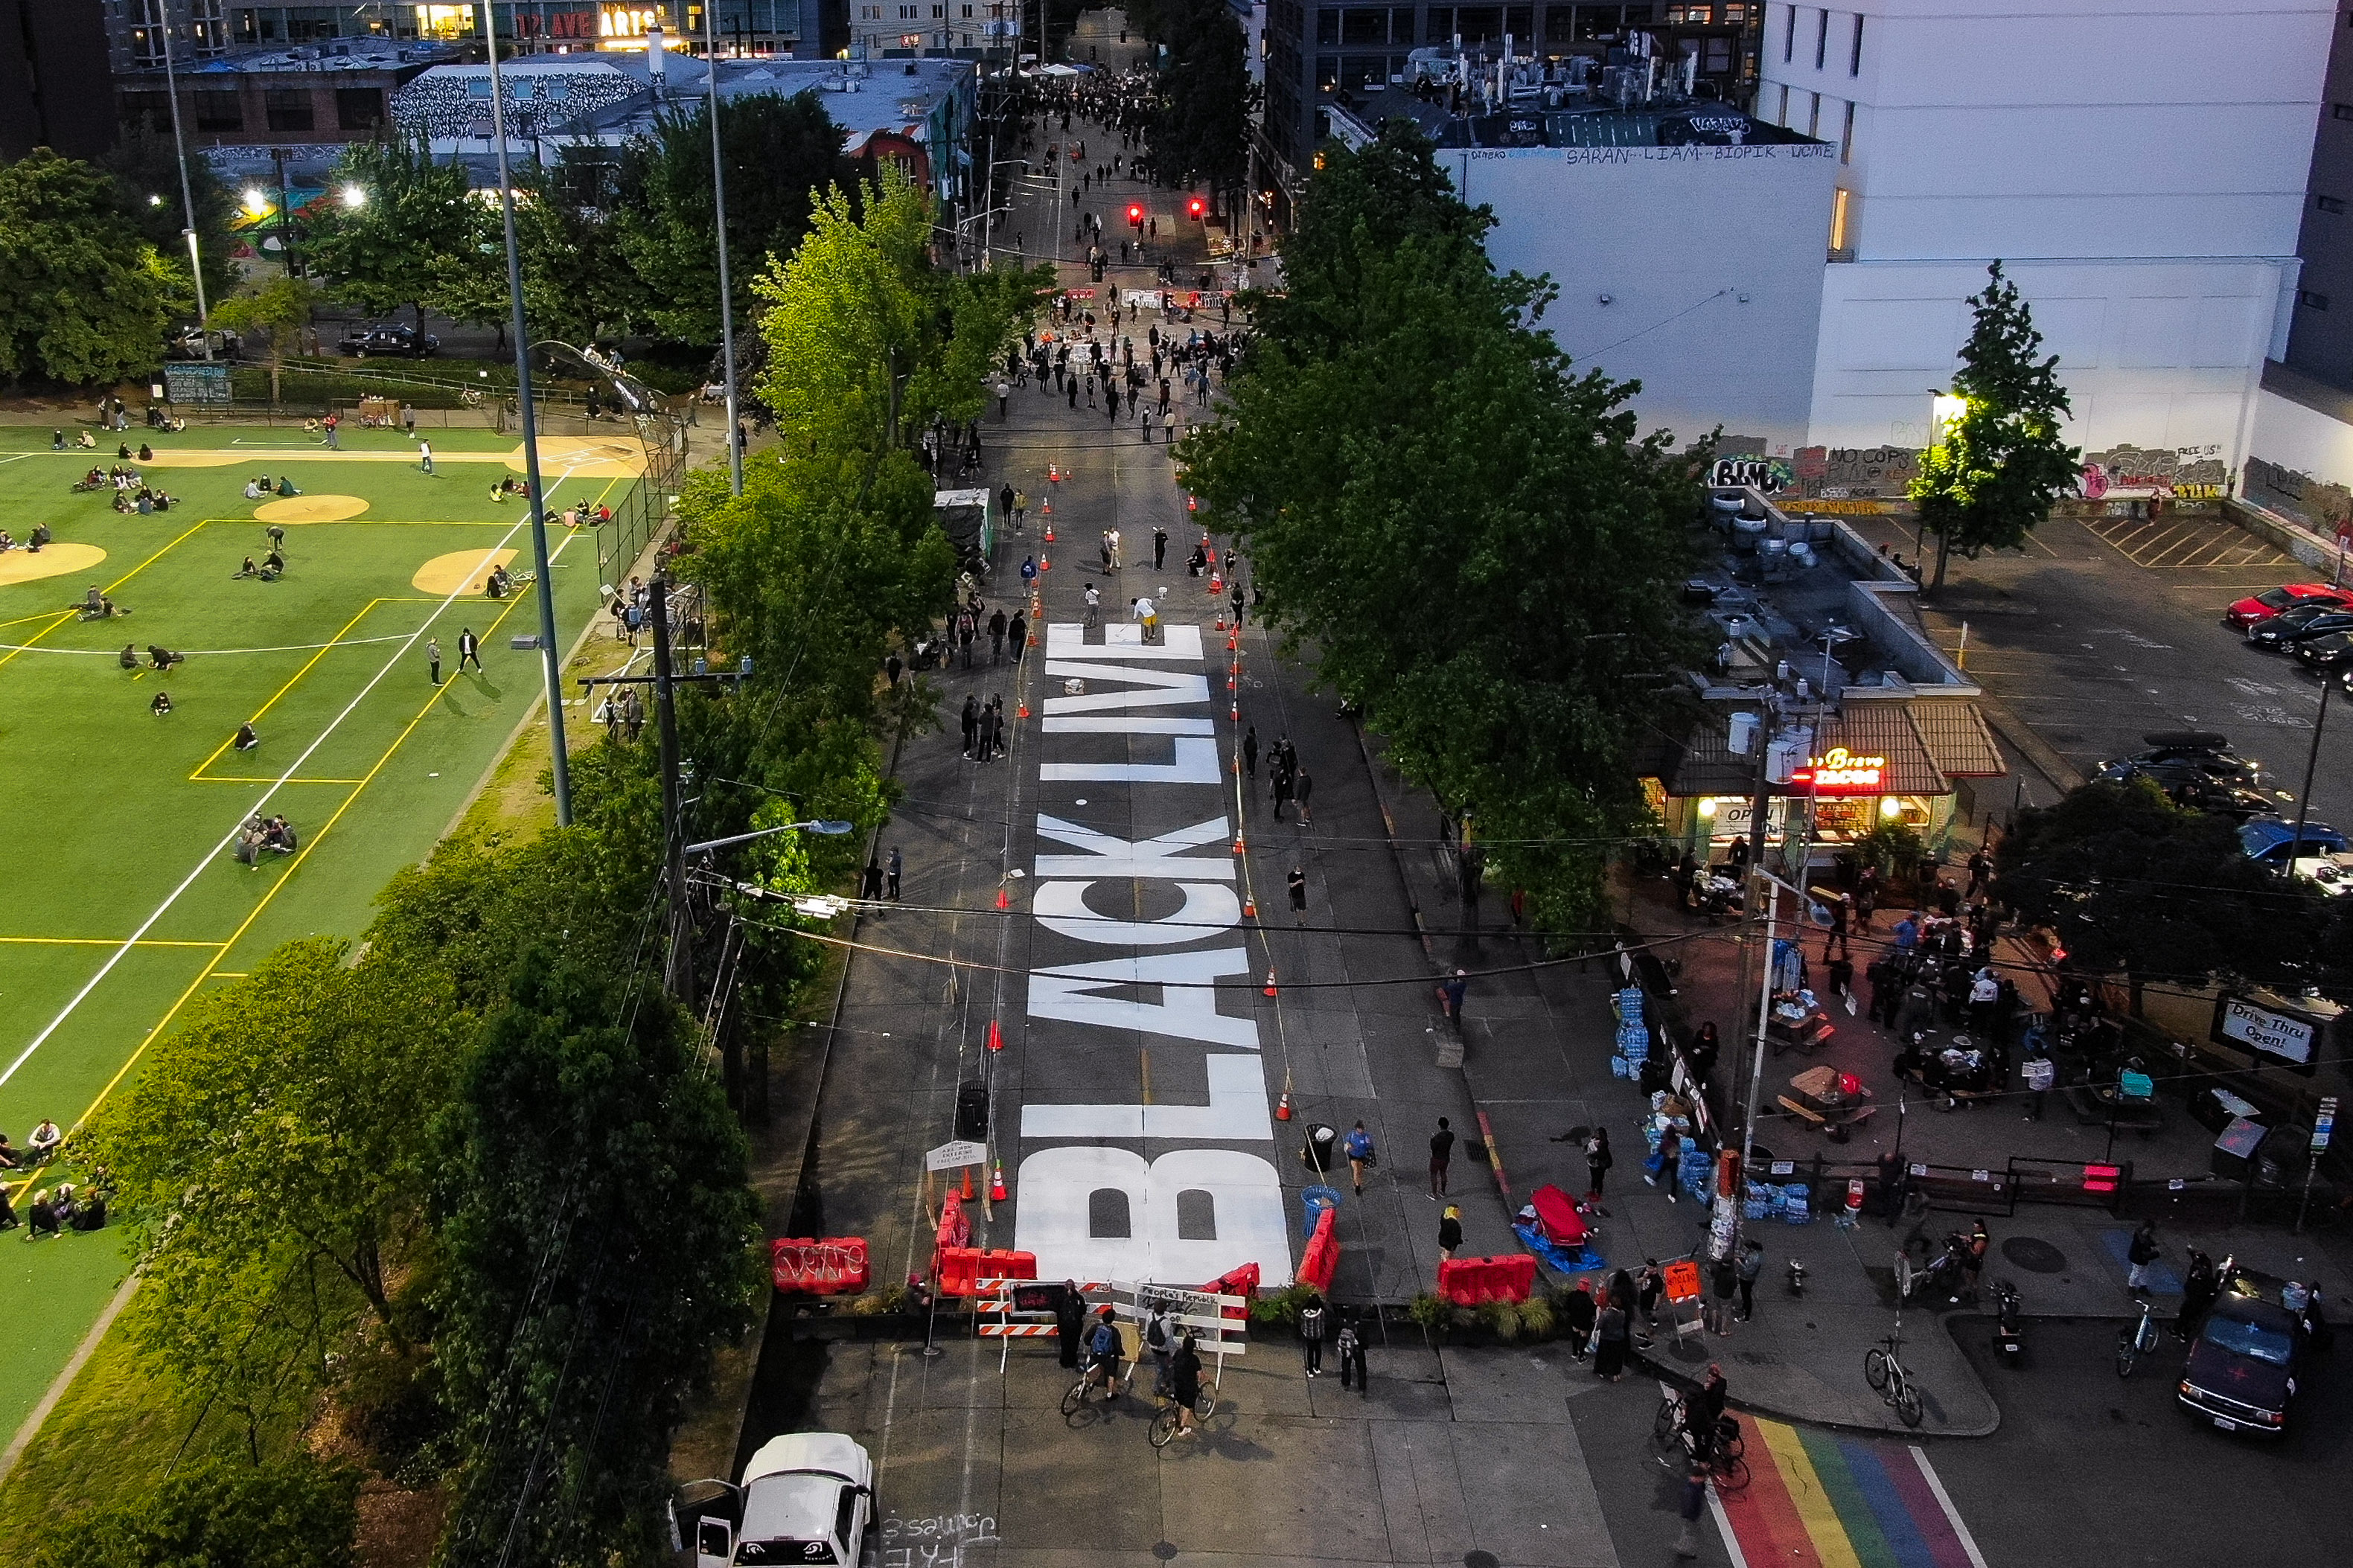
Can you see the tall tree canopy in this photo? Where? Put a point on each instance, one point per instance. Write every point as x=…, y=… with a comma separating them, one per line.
x=1991, y=479
x=84, y=296
x=1473, y=539
x=146, y=171
x=418, y=230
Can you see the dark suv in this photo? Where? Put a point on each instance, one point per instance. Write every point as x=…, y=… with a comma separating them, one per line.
x=2242, y=1365
x=387, y=338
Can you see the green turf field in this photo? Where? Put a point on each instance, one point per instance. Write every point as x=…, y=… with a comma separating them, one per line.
x=122, y=898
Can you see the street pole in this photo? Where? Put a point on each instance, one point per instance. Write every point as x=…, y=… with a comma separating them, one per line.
x=681, y=976
x=187, y=202
x=726, y=294
x=285, y=218
x=1772, y=890
x=537, y=498
x=2311, y=762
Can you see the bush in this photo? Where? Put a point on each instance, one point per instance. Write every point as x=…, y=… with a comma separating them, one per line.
x=1280, y=1306
x=396, y=1403
x=1430, y=1314
x=1890, y=849
x=297, y=1512
x=1501, y=1319
x=1535, y=1317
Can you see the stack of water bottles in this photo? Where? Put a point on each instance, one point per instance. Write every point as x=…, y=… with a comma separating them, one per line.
x=1797, y=1203
x=1697, y=1175
x=1633, y=1034
x=1761, y=1200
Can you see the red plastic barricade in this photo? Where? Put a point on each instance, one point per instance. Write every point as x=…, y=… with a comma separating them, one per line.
x=833, y=1265
x=1467, y=1281
x=1242, y=1282
x=1000, y=1264
x=1323, y=1252
x=959, y=1270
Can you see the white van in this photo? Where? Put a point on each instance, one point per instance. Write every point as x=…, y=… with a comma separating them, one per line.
x=805, y=1497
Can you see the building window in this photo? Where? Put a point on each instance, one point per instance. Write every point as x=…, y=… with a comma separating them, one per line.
x=1854, y=54
x=1361, y=25
x=1822, y=39
x=1790, y=35
x=2342, y=110
x=1784, y=118
x=289, y=108
x=2329, y=203
x=2311, y=300
x=359, y=108
x=1846, y=136
x=149, y=111
x=1841, y=248
x=1814, y=118
x=217, y=110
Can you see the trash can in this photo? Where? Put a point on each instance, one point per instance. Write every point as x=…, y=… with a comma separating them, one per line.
x=1323, y=1145
x=1316, y=1199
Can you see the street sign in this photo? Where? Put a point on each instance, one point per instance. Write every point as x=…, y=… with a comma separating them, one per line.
x=955, y=1156
x=2324, y=1123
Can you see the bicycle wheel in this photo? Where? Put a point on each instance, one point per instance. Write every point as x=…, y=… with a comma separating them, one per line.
x=1164, y=1425
x=1728, y=1441
x=1076, y=1398
x=2127, y=1354
x=1206, y=1405
x=1907, y=1404
x=1731, y=1474
x=1874, y=1368
x=1663, y=1426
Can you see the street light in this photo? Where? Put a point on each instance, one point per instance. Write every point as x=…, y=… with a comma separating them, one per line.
x=831, y=829
x=355, y=196
x=187, y=202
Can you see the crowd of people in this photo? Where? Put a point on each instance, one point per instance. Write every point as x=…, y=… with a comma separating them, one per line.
x=69, y=1206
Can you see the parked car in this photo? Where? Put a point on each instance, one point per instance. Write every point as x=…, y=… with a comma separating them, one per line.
x=2208, y=752
x=387, y=338
x=805, y=1497
x=2268, y=838
x=2299, y=623
x=2243, y=1366
x=2332, y=874
x=189, y=344
x=2189, y=786
x=2326, y=652
x=2261, y=606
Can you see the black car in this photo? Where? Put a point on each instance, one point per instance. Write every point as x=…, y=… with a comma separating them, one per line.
x=2218, y=764
x=2190, y=785
x=2242, y=1365
x=387, y=338
x=2299, y=625
x=2326, y=651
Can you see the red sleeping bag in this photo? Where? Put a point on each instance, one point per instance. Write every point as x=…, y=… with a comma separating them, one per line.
x=1556, y=1212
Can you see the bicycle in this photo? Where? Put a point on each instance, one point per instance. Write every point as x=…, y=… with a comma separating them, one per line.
x=1076, y=1399
x=1166, y=1421
x=2137, y=1341
x=1885, y=1374
x=1675, y=1447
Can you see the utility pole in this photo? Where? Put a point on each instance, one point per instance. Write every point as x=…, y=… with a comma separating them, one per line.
x=2311, y=763
x=726, y=289
x=277, y=155
x=187, y=202
x=680, y=975
x=536, y=498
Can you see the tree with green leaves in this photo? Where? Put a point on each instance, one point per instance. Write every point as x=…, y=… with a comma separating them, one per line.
x=2135, y=885
x=779, y=152
x=274, y=311
x=1991, y=478
x=415, y=235
x=146, y=170
x=84, y=297
x=284, y=1120
x=1471, y=537
x=298, y=1511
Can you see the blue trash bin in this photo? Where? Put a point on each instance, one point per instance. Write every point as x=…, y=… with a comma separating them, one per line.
x=1316, y=1200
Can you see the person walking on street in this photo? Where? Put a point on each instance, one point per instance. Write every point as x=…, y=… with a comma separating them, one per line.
x=1609, y=1330
x=891, y=875
x=1069, y=1321
x=1298, y=883
x=1664, y=1167
x=1449, y=996
x=1250, y=751
x=970, y=721
x=1185, y=1375
x=1350, y=1347
x=997, y=624
x=1311, y=1334
x=433, y=660
x=1358, y=1147
x=1450, y=1231
x=1836, y=937
x=1159, y=549
x=1973, y=1265
x=1576, y=1315
x=2142, y=1252
x=1598, y=1161
x=1441, y=1154
x=1300, y=788
x=1160, y=1338
x=1750, y=1264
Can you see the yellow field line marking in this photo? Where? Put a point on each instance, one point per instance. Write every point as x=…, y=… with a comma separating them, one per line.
x=326, y=648
x=110, y=589
x=101, y=942
x=45, y=615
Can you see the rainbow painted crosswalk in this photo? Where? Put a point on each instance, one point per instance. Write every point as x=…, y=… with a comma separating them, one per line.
x=1817, y=1500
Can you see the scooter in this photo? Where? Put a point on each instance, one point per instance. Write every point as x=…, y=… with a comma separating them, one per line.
x=1795, y=1271
x=2008, y=1324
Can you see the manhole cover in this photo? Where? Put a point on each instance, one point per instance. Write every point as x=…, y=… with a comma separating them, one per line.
x=1165, y=1550
x=2034, y=1255
x=1482, y=1560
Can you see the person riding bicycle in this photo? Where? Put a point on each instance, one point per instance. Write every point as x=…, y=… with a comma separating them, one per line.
x=1102, y=1352
x=1185, y=1375
x=1704, y=1413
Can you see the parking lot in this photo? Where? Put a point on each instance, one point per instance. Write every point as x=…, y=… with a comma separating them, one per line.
x=2096, y=636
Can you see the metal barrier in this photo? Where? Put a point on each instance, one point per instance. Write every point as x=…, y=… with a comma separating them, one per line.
x=2081, y=1183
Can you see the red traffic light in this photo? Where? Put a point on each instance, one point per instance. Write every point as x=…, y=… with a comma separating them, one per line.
x=1135, y=213
x=1195, y=207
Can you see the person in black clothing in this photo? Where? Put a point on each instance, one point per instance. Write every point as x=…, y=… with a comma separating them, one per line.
x=870, y=881
x=997, y=625
x=1450, y=1231
x=1703, y=1411
x=1159, y=549
x=1702, y=1050
x=1185, y=1375
x=1577, y=1316
x=1441, y=1153
x=1070, y=1320
x=1250, y=751
x=1298, y=884
x=970, y=723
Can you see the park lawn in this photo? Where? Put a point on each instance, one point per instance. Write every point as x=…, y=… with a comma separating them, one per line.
x=124, y=817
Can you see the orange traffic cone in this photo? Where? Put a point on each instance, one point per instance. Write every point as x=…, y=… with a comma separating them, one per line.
x=967, y=1184
x=1229, y=683
x=1004, y=900
x=1234, y=641
x=1021, y=710
x=1221, y=620
x=1269, y=981
x=1238, y=842
x=1045, y=562
x=1237, y=714
x=996, y=1037
x=1283, y=1107
x=996, y=1184
x=1249, y=907
x=1192, y=503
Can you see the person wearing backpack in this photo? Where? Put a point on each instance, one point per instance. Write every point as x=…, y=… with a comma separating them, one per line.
x=1351, y=1346
x=1103, y=1352
x=1161, y=1341
x=1358, y=1147
x=1311, y=1334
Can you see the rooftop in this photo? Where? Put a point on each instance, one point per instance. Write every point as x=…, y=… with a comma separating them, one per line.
x=1468, y=101
x=328, y=55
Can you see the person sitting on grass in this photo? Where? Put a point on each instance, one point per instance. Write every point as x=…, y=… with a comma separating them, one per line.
x=146, y=453
x=10, y=1160
x=146, y=503
x=272, y=565
x=248, y=570
x=89, y=1209
x=57, y=440
x=161, y=705
x=497, y=584
x=286, y=486
x=162, y=658
x=41, y=1217
x=253, y=489
x=498, y=493
x=245, y=739
x=123, y=452
x=163, y=500
x=46, y=1140
x=41, y=536
x=91, y=480
x=277, y=834
x=130, y=657
x=7, y=541
x=122, y=502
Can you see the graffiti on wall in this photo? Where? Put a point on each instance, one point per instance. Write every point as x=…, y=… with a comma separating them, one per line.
x=1769, y=475
x=2316, y=503
x=2185, y=473
x=1855, y=473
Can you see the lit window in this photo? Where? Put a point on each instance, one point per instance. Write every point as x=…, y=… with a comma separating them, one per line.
x=1839, y=199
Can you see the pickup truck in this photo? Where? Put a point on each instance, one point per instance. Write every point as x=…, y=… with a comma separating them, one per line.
x=805, y=1497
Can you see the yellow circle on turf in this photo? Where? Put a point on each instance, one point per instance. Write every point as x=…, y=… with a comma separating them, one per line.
x=459, y=571
x=311, y=509
x=22, y=565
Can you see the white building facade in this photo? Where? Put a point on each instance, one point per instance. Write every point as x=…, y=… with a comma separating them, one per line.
x=2138, y=165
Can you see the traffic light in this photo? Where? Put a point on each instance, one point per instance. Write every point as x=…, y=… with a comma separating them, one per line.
x=1195, y=207
x=1135, y=214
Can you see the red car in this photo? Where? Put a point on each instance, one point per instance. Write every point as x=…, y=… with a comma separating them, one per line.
x=2247, y=612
